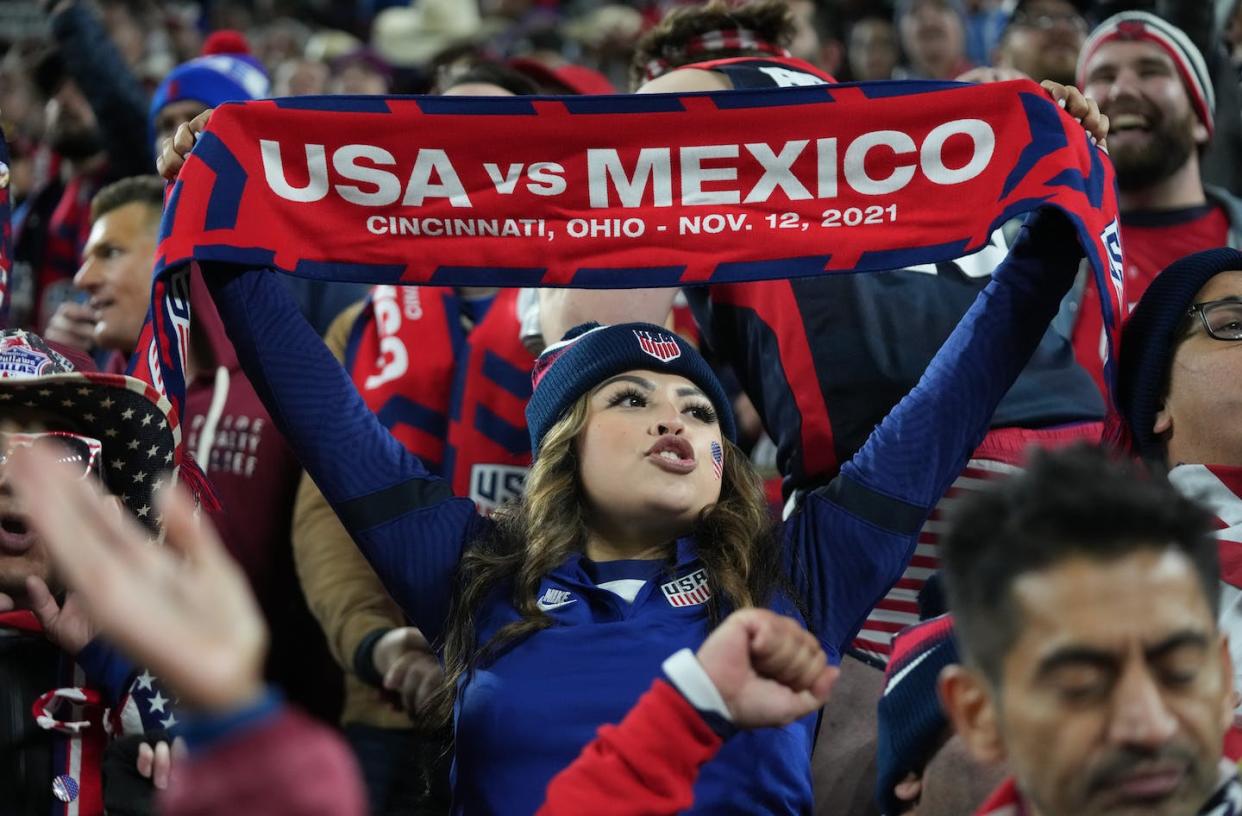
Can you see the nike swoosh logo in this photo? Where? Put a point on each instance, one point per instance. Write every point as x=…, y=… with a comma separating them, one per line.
x=547, y=607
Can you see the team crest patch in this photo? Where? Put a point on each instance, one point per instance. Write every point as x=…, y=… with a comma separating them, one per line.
x=18, y=360
x=691, y=590
x=663, y=347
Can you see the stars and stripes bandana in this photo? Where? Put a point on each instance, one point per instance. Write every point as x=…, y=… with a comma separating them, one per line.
x=621, y=191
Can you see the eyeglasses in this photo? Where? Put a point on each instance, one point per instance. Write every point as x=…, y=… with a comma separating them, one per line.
x=1046, y=21
x=1221, y=318
x=74, y=449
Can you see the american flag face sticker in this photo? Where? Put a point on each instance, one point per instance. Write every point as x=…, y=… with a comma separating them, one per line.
x=691, y=590
x=717, y=459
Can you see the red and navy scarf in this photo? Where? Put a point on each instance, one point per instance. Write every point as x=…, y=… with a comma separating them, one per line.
x=622, y=191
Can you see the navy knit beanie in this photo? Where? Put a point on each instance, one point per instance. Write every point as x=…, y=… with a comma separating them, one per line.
x=1149, y=340
x=591, y=353
x=911, y=721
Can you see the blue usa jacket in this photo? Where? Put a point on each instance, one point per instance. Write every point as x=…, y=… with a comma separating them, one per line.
x=525, y=716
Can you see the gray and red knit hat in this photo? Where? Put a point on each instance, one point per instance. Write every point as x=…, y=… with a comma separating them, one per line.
x=591, y=353
x=1139, y=26
x=911, y=722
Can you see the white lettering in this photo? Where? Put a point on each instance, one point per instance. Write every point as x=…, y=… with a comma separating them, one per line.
x=387, y=187
x=653, y=166
x=420, y=186
x=693, y=174
x=316, y=171
x=546, y=179
x=777, y=172
x=506, y=184
x=856, y=162
x=984, y=143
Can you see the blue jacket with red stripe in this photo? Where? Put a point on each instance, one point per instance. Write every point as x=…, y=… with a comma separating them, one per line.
x=526, y=714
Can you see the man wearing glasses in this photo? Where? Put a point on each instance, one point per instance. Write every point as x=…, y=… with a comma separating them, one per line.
x=59, y=686
x=1180, y=397
x=1043, y=39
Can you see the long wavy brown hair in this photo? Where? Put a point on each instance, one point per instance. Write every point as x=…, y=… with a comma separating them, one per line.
x=735, y=538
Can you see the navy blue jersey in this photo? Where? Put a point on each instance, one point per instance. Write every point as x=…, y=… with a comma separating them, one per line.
x=525, y=715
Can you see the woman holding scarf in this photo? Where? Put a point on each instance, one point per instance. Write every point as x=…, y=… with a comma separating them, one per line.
x=642, y=525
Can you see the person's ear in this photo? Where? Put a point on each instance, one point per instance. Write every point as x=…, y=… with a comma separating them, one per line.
x=1200, y=133
x=968, y=702
x=910, y=788
x=1229, y=697
x=1163, y=422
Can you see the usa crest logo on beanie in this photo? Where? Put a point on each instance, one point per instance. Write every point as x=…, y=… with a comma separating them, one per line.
x=663, y=347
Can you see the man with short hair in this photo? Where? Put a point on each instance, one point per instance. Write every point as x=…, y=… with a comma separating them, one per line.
x=1154, y=86
x=1085, y=593
x=116, y=268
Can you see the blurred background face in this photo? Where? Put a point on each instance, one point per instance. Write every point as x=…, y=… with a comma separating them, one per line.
x=872, y=51
x=1153, y=130
x=933, y=39
x=172, y=116
x=1043, y=41
x=300, y=77
x=116, y=273
x=72, y=129
x=357, y=78
x=1116, y=695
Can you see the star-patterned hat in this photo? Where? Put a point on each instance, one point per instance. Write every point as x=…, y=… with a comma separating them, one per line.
x=126, y=414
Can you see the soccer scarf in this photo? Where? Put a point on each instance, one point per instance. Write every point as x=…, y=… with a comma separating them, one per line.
x=622, y=191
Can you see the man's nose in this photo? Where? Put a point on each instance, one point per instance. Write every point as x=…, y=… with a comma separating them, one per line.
x=1141, y=715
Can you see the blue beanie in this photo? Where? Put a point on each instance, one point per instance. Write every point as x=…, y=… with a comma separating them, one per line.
x=591, y=353
x=211, y=80
x=911, y=722
x=1150, y=336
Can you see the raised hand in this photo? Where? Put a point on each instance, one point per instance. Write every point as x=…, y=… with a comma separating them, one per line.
x=184, y=610
x=1085, y=110
x=73, y=325
x=175, y=149
x=767, y=667
x=67, y=625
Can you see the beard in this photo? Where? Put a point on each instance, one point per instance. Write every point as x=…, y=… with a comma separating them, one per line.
x=1166, y=150
x=75, y=142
